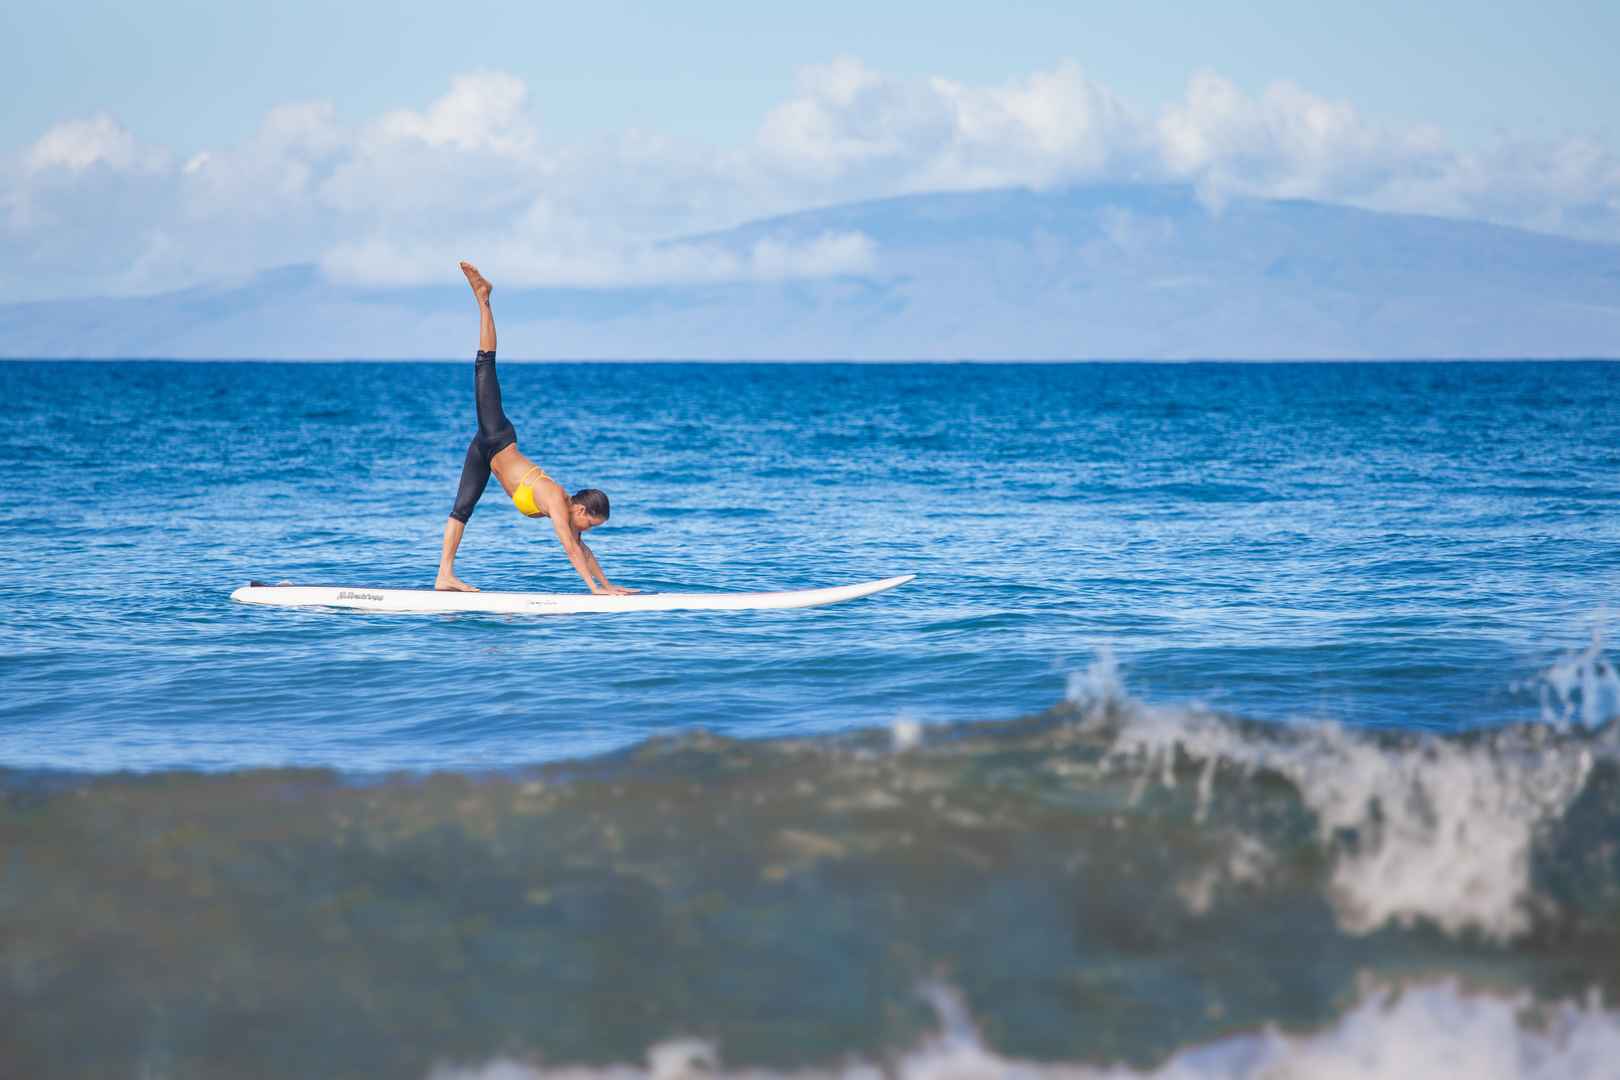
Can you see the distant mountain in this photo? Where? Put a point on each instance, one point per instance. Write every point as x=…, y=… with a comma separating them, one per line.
x=1089, y=272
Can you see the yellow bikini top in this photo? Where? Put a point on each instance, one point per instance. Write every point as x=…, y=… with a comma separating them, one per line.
x=523, y=494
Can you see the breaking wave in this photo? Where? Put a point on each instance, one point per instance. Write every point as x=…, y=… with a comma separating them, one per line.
x=1112, y=887
x=1435, y=1029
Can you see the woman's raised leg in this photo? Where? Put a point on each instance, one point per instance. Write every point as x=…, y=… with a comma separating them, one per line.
x=494, y=429
x=494, y=433
x=486, y=319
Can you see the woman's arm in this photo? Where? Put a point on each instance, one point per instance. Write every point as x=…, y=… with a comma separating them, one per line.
x=574, y=549
x=554, y=500
x=557, y=506
x=607, y=586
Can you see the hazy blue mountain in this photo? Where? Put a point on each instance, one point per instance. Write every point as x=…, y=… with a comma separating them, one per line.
x=1107, y=272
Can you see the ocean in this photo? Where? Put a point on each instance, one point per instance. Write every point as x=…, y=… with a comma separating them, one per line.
x=1243, y=719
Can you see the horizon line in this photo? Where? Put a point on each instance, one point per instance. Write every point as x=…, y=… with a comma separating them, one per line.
x=845, y=361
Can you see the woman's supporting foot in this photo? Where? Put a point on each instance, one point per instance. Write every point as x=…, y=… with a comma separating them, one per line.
x=451, y=583
x=480, y=285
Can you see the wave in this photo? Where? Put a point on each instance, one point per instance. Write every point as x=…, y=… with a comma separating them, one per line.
x=1434, y=1029
x=1415, y=826
x=1112, y=884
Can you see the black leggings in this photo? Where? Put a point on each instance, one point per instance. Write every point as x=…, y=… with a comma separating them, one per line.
x=495, y=433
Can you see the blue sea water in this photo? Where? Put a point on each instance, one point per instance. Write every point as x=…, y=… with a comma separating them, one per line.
x=1242, y=719
x=1389, y=544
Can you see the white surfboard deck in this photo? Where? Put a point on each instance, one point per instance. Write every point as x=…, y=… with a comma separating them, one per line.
x=520, y=603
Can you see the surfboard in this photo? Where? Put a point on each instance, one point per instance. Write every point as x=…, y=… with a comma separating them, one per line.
x=520, y=603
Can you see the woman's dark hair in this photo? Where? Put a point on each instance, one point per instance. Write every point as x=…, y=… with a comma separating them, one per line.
x=595, y=502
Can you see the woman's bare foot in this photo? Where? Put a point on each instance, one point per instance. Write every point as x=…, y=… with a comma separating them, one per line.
x=480, y=285
x=449, y=582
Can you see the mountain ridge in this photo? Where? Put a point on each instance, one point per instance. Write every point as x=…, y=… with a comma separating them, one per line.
x=1095, y=272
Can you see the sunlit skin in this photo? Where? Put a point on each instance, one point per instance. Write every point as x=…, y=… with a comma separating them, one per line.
x=510, y=467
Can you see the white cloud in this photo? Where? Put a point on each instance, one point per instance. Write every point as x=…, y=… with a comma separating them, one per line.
x=1286, y=144
x=78, y=144
x=524, y=261
x=1051, y=128
x=848, y=117
x=89, y=208
x=482, y=111
x=852, y=125
x=272, y=172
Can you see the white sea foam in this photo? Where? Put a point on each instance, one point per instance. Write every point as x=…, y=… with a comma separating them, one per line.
x=1443, y=828
x=906, y=732
x=1247, y=860
x=1424, y=1031
x=1581, y=686
x=1099, y=685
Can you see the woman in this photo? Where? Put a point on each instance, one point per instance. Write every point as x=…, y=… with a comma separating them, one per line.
x=494, y=450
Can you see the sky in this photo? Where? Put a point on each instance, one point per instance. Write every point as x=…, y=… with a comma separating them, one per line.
x=156, y=146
